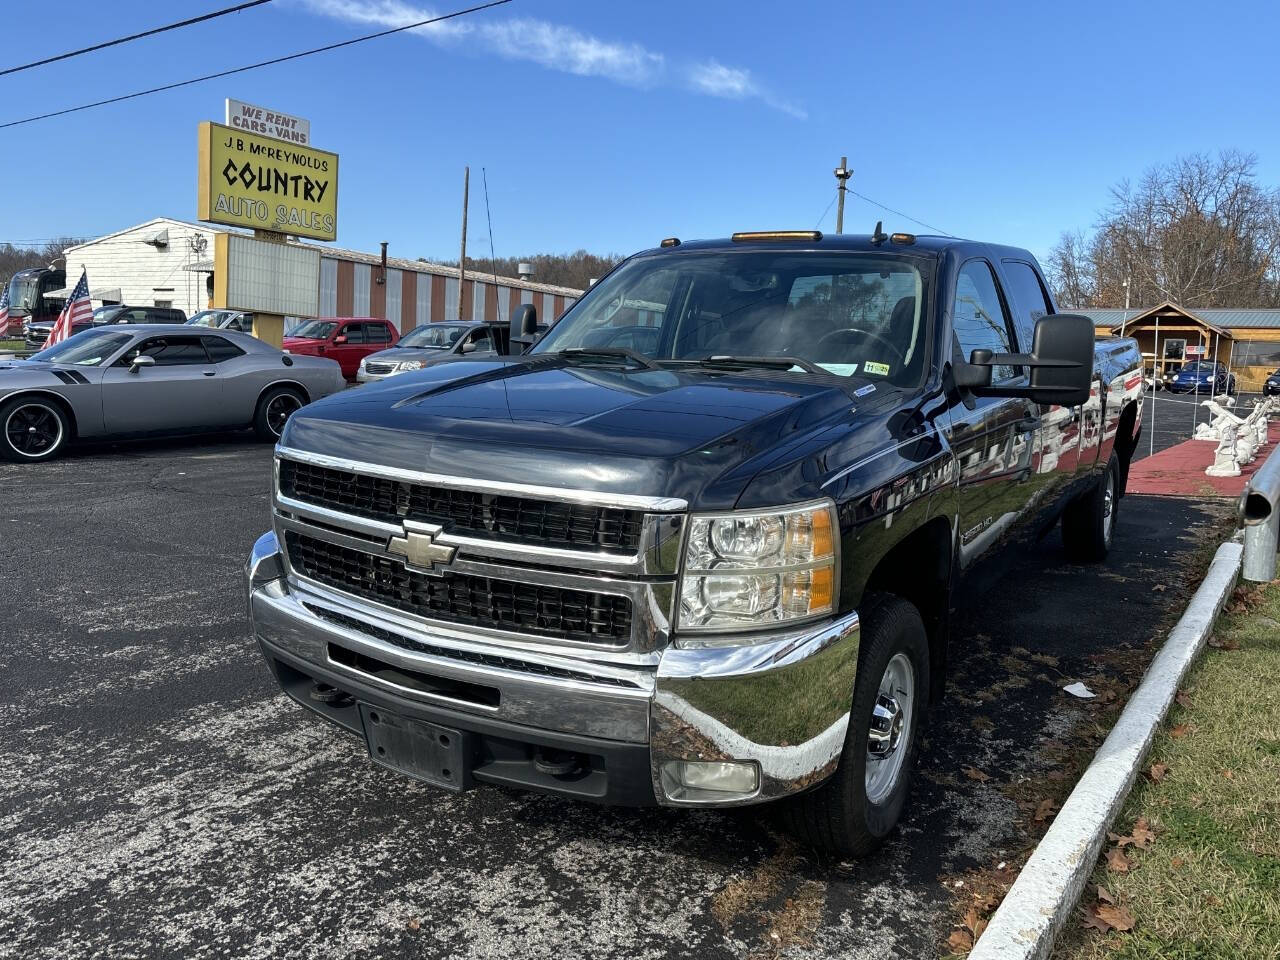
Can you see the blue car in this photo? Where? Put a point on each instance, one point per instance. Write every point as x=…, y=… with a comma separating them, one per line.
x=1203, y=377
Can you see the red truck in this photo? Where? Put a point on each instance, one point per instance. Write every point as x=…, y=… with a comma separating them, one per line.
x=345, y=339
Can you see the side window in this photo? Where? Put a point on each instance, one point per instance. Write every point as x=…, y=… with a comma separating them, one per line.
x=220, y=349
x=980, y=321
x=354, y=332
x=1030, y=302
x=167, y=351
x=376, y=333
x=483, y=342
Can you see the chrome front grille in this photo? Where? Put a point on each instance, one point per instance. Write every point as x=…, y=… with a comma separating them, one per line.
x=378, y=367
x=463, y=598
x=498, y=516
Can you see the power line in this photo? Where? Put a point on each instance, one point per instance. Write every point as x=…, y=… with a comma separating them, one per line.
x=899, y=213
x=136, y=36
x=825, y=212
x=493, y=259
x=255, y=66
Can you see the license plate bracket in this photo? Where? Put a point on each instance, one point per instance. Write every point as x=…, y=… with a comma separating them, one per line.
x=417, y=748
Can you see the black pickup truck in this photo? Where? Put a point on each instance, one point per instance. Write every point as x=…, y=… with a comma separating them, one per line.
x=697, y=547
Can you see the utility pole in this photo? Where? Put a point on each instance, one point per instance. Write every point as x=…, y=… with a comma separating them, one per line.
x=842, y=173
x=1124, y=322
x=462, y=257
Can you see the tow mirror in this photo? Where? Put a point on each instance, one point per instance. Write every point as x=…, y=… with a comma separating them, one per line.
x=140, y=361
x=524, y=327
x=1061, y=364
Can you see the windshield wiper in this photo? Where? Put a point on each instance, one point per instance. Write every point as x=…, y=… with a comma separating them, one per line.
x=778, y=363
x=610, y=353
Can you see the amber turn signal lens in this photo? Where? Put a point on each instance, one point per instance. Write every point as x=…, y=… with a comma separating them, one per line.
x=823, y=537
x=821, y=590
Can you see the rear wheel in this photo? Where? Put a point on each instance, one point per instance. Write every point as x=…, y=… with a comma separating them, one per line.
x=1089, y=522
x=275, y=407
x=851, y=813
x=32, y=429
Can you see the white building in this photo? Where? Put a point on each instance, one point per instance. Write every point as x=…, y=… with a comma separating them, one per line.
x=151, y=264
x=166, y=262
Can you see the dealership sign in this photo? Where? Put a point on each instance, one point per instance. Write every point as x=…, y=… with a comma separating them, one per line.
x=256, y=181
x=248, y=118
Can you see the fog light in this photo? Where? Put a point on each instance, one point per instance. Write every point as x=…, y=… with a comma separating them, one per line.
x=697, y=781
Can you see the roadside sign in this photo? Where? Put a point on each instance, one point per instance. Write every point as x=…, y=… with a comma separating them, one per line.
x=250, y=118
x=250, y=180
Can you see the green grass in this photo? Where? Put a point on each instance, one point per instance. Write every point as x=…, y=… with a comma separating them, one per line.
x=12, y=344
x=1209, y=885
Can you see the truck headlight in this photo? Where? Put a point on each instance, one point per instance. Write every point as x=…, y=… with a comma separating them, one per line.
x=410, y=365
x=754, y=569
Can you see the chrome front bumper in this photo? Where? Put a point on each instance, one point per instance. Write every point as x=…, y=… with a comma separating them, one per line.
x=782, y=703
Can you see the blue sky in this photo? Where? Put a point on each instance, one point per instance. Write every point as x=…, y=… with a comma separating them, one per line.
x=610, y=125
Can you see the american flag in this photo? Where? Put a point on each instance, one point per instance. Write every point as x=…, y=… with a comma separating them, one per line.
x=77, y=310
x=4, y=309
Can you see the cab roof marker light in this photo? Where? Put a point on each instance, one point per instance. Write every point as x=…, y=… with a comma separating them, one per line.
x=757, y=235
x=904, y=238
x=670, y=242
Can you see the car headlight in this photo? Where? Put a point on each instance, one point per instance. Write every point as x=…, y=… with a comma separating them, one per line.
x=760, y=568
x=410, y=365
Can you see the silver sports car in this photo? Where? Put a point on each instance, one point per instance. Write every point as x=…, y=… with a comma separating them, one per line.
x=146, y=379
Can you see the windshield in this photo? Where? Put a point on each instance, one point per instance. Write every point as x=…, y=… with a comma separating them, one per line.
x=315, y=330
x=208, y=318
x=87, y=349
x=106, y=314
x=433, y=336
x=848, y=313
x=22, y=292
x=1198, y=368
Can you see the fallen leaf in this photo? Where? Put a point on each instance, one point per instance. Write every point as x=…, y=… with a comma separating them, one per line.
x=1157, y=772
x=975, y=922
x=1142, y=833
x=1116, y=916
x=1158, y=588
x=1211, y=900
x=1117, y=862
x=414, y=923
x=1177, y=863
x=1105, y=895
x=1181, y=730
x=1045, y=810
x=960, y=941
x=973, y=773
x=1223, y=644
x=1228, y=774
x=1091, y=921
x=1183, y=700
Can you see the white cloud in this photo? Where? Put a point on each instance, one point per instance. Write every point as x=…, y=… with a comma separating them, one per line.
x=558, y=47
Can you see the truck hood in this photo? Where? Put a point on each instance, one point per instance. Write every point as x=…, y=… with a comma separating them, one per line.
x=695, y=435
x=302, y=345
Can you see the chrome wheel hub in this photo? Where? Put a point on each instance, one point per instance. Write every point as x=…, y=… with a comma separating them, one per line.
x=1108, y=506
x=889, y=733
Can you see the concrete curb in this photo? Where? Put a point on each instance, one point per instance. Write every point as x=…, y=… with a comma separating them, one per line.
x=1045, y=894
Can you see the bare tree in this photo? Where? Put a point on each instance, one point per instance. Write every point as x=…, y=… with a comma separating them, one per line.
x=1199, y=231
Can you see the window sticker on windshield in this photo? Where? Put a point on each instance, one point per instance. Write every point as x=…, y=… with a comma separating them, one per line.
x=882, y=369
x=839, y=369
x=863, y=391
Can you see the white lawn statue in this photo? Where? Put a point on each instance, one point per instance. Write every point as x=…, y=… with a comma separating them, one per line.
x=1225, y=463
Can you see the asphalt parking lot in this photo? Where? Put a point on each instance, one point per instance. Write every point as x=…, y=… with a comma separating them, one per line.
x=160, y=798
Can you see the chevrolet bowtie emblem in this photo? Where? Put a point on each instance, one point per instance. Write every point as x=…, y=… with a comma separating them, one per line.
x=419, y=548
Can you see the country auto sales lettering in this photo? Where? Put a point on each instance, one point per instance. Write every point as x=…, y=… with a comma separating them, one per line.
x=253, y=181
x=280, y=182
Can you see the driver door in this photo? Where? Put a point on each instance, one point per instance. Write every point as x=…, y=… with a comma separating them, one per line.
x=182, y=391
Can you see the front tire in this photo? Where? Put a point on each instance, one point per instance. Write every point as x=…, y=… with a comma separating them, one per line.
x=275, y=407
x=1089, y=522
x=32, y=429
x=852, y=813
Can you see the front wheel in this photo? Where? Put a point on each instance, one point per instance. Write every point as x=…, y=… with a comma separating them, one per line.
x=275, y=407
x=32, y=429
x=851, y=813
x=1089, y=522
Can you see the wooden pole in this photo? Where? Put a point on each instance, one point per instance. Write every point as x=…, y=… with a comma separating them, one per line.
x=462, y=257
